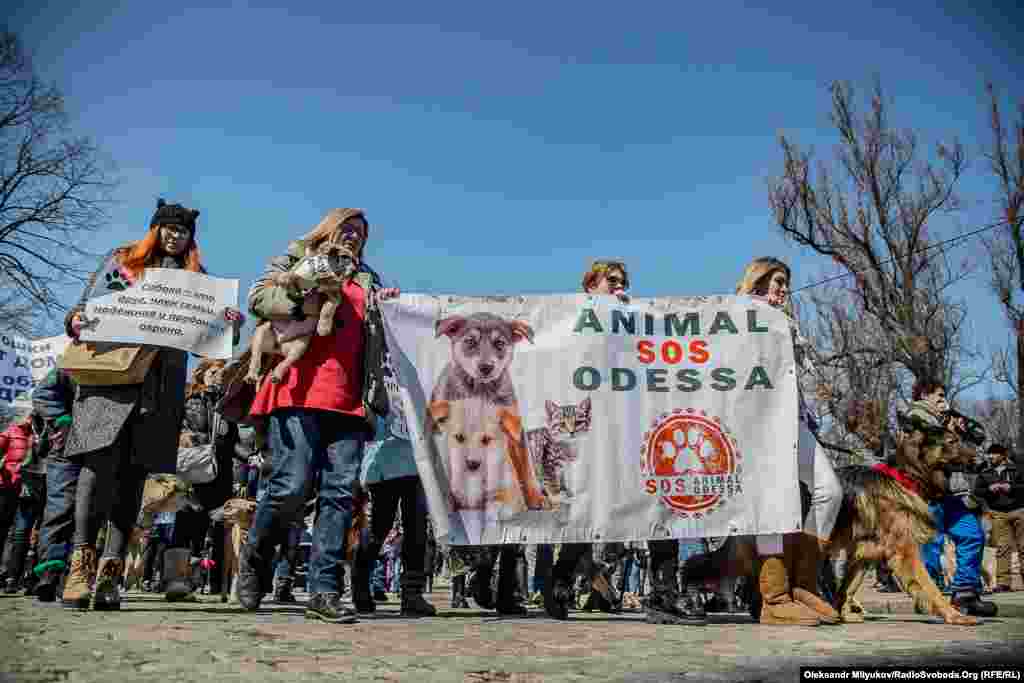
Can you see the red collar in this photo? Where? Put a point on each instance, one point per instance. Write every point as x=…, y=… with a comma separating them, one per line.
x=905, y=481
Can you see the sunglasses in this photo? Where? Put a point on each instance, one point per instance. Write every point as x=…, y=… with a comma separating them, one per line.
x=349, y=229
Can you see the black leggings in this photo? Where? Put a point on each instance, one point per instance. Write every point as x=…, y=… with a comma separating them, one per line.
x=109, y=486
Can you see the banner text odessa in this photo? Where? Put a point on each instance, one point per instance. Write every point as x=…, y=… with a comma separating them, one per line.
x=670, y=352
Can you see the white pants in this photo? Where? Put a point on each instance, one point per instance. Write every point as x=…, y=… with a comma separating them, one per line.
x=815, y=470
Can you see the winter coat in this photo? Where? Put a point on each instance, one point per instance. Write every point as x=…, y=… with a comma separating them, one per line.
x=268, y=301
x=15, y=443
x=52, y=400
x=1001, y=502
x=388, y=456
x=54, y=396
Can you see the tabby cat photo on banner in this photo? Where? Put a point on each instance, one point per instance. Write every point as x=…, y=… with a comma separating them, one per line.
x=574, y=418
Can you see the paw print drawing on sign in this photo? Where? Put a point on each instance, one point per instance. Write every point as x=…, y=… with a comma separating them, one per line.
x=116, y=281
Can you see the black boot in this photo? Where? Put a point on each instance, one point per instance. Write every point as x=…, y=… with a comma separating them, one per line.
x=48, y=586
x=413, y=603
x=361, y=597
x=666, y=606
x=15, y=564
x=283, y=591
x=509, y=597
x=479, y=587
x=968, y=602
x=558, y=597
x=250, y=584
x=459, y=592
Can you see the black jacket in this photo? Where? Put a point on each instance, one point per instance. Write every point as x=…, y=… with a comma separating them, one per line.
x=1001, y=502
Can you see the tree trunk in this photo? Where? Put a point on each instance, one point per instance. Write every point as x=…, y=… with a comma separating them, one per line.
x=1020, y=385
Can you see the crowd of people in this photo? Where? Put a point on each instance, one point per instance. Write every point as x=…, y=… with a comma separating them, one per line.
x=87, y=480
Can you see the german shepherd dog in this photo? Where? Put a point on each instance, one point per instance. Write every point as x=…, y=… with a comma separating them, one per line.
x=880, y=519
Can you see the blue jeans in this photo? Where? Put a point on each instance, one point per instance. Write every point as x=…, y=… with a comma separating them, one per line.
x=310, y=447
x=59, y=512
x=964, y=528
x=633, y=575
x=378, y=577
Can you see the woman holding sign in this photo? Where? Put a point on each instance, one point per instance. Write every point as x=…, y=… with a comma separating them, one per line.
x=121, y=432
x=789, y=566
x=665, y=604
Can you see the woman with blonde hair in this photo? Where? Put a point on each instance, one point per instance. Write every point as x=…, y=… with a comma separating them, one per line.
x=789, y=565
x=320, y=415
x=121, y=433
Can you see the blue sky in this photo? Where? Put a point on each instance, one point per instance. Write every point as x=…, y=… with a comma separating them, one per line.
x=499, y=147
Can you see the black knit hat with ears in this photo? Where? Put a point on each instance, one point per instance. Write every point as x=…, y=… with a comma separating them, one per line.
x=174, y=214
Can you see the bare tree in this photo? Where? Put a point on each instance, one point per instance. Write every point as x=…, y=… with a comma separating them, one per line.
x=1006, y=246
x=890, y=317
x=54, y=188
x=1000, y=418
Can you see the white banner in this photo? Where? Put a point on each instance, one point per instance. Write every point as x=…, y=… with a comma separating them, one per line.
x=23, y=364
x=577, y=418
x=166, y=307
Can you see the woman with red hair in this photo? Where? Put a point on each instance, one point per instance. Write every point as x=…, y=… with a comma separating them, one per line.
x=122, y=433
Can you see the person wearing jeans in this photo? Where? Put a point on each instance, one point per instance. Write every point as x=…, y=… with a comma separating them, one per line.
x=320, y=411
x=937, y=441
x=52, y=400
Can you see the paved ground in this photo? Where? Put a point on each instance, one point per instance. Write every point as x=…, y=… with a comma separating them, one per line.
x=150, y=640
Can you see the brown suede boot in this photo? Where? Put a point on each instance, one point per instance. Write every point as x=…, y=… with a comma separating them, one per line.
x=80, y=576
x=778, y=608
x=108, y=597
x=803, y=558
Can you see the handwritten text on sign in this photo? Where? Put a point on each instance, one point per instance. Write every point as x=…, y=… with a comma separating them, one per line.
x=174, y=308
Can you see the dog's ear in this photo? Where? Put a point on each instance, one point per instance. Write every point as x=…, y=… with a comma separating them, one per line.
x=521, y=331
x=511, y=424
x=450, y=327
x=437, y=415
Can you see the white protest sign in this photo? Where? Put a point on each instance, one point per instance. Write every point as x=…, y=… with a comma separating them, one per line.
x=560, y=419
x=166, y=307
x=24, y=363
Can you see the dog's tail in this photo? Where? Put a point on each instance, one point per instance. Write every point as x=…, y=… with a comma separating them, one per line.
x=864, y=488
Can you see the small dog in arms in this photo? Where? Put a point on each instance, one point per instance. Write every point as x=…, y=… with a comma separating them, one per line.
x=323, y=274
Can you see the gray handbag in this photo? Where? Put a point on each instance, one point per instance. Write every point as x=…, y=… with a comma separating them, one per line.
x=198, y=464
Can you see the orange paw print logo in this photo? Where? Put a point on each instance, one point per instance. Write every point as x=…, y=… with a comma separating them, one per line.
x=690, y=462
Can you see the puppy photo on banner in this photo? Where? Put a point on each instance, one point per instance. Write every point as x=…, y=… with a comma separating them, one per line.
x=577, y=418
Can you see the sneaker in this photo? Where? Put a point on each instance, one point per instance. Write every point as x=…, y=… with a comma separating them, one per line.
x=970, y=604
x=380, y=596
x=1002, y=588
x=11, y=586
x=327, y=607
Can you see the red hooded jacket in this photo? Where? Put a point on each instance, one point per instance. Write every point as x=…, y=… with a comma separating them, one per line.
x=14, y=444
